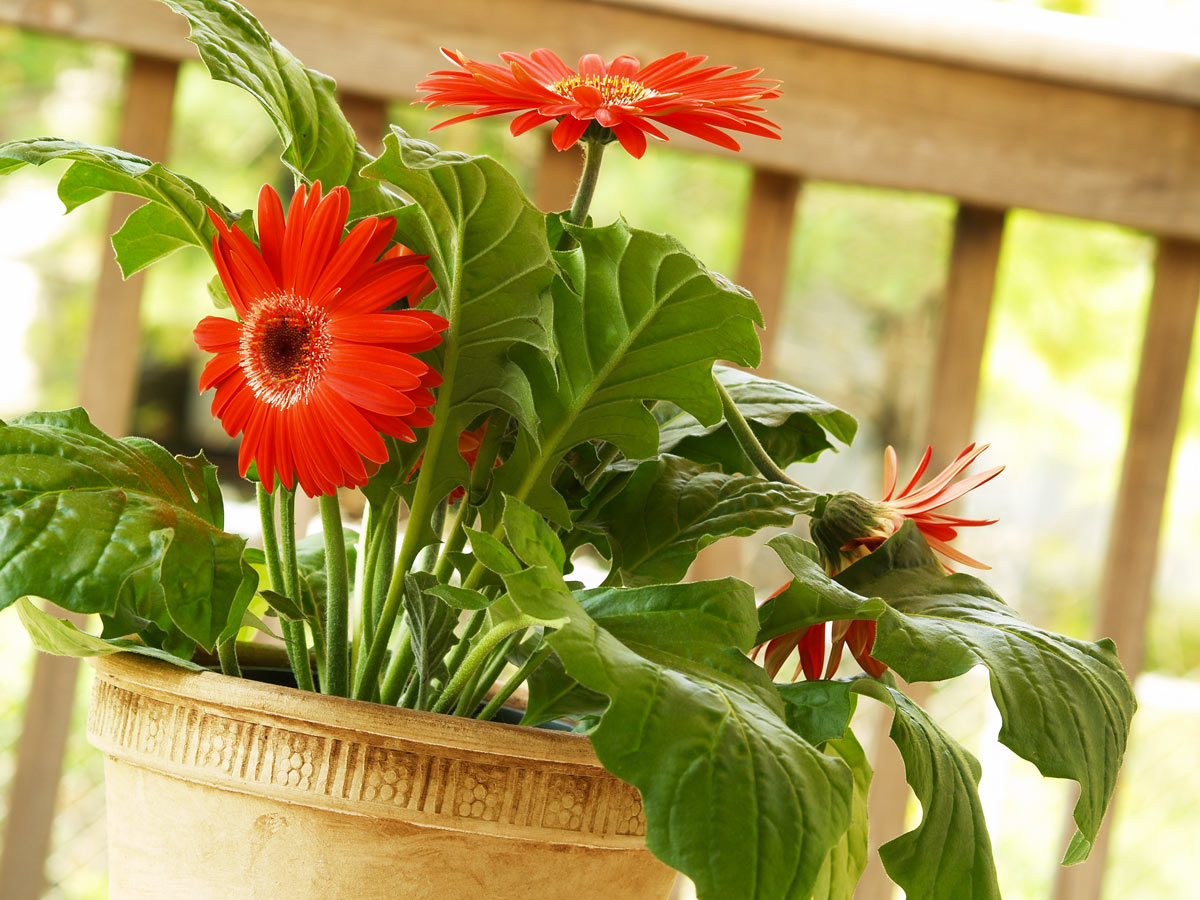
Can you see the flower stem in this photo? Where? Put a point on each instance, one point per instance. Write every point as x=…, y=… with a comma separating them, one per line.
x=478, y=655
x=518, y=678
x=337, y=600
x=486, y=676
x=749, y=442
x=399, y=670
x=227, y=653
x=293, y=632
x=291, y=588
x=593, y=153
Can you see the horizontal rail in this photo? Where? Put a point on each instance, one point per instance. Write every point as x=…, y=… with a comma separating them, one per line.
x=850, y=113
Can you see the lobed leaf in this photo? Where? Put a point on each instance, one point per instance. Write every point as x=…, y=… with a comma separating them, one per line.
x=302, y=103
x=174, y=217
x=671, y=508
x=490, y=258
x=636, y=318
x=733, y=798
x=791, y=424
x=98, y=525
x=1065, y=704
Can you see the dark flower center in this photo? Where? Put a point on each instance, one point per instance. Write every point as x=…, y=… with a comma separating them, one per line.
x=285, y=346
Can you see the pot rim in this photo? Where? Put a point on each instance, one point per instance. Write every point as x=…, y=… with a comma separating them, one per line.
x=328, y=713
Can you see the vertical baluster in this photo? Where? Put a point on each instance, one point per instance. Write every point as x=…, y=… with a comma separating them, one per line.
x=557, y=175
x=107, y=388
x=1125, y=590
x=978, y=234
x=368, y=118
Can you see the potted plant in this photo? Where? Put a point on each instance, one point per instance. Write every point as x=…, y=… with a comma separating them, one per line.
x=526, y=388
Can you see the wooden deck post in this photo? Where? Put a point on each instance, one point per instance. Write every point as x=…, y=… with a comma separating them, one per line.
x=978, y=235
x=1125, y=590
x=107, y=388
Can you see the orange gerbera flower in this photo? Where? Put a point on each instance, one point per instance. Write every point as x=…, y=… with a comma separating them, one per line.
x=850, y=526
x=315, y=369
x=623, y=96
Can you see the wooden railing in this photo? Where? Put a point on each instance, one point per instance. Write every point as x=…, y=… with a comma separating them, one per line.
x=996, y=106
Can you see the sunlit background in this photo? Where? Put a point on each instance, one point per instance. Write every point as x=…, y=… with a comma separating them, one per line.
x=864, y=292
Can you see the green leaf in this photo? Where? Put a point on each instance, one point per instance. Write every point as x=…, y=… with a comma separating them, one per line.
x=811, y=596
x=733, y=798
x=553, y=694
x=818, y=711
x=460, y=598
x=1065, y=704
x=945, y=778
x=671, y=508
x=846, y=861
x=791, y=424
x=636, y=318
x=62, y=638
x=176, y=215
x=283, y=606
x=302, y=103
x=431, y=622
x=489, y=256
x=95, y=525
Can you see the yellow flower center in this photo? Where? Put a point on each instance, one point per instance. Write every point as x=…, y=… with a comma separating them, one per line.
x=617, y=90
x=284, y=347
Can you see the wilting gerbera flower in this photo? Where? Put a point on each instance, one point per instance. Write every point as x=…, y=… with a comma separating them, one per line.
x=623, y=96
x=849, y=526
x=315, y=369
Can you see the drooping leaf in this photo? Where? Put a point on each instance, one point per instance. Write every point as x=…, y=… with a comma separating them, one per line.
x=791, y=424
x=175, y=215
x=733, y=798
x=489, y=256
x=811, y=596
x=818, y=711
x=95, y=525
x=636, y=318
x=671, y=508
x=1065, y=704
x=844, y=864
x=60, y=637
x=318, y=140
x=949, y=855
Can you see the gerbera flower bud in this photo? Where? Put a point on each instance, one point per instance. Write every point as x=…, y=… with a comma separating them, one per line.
x=315, y=369
x=847, y=526
x=622, y=96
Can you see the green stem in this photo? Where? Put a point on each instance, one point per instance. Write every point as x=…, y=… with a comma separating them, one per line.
x=227, y=653
x=417, y=526
x=337, y=600
x=608, y=453
x=749, y=442
x=399, y=670
x=385, y=559
x=454, y=541
x=293, y=632
x=364, y=578
x=485, y=677
x=478, y=655
x=593, y=154
x=518, y=678
x=474, y=623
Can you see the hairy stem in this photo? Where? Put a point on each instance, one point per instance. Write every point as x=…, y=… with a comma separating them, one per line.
x=337, y=600
x=749, y=442
x=478, y=655
x=293, y=632
x=518, y=678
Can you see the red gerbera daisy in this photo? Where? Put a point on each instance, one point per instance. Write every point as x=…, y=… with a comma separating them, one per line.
x=623, y=96
x=315, y=370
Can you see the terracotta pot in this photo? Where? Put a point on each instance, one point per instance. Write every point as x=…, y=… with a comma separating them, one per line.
x=223, y=788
